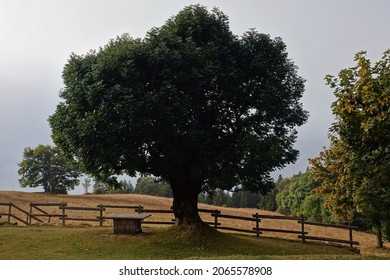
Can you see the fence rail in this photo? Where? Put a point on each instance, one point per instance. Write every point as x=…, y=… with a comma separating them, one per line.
x=42, y=213
x=66, y=213
x=10, y=214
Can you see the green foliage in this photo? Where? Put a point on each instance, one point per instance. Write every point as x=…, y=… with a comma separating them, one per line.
x=238, y=198
x=122, y=186
x=100, y=188
x=300, y=196
x=217, y=197
x=244, y=199
x=355, y=168
x=333, y=168
x=314, y=208
x=268, y=202
x=206, y=198
x=45, y=166
x=191, y=103
x=152, y=186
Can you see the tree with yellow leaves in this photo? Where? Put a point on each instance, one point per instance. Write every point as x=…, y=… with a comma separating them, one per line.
x=355, y=169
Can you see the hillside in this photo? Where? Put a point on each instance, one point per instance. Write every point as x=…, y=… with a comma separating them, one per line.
x=22, y=199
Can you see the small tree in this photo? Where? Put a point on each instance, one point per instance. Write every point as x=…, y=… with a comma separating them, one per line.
x=86, y=184
x=45, y=166
x=100, y=188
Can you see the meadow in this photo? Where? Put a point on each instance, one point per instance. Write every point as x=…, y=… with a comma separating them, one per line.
x=89, y=241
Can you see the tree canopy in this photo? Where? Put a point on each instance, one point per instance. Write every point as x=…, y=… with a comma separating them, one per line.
x=191, y=103
x=355, y=169
x=45, y=166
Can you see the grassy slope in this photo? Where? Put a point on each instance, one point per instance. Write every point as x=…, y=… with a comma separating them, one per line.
x=86, y=242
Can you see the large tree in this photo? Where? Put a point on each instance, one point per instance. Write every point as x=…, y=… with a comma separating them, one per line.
x=45, y=166
x=191, y=103
x=355, y=169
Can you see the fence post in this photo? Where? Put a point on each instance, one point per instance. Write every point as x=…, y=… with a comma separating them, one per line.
x=216, y=218
x=101, y=214
x=63, y=214
x=257, y=224
x=30, y=213
x=9, y=212
x=302, y=219
x=350, y=238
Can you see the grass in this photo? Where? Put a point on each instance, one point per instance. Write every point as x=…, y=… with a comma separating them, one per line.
x=98, y=243
x=78, y=241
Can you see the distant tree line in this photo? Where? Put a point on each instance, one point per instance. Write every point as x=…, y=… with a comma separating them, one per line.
x=145, y=185
x=150, y=185
x=240, y=199
x=123, y=186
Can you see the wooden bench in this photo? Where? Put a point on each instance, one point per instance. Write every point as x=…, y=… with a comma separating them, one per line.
x=128, y=223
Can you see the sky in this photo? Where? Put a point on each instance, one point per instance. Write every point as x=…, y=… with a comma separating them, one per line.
x=37, y=37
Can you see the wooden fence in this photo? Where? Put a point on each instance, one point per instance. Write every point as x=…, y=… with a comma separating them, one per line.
x=13, y=211
x=68, y=213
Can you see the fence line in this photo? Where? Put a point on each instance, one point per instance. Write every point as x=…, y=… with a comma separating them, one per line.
x=43, y=213
x=215, y=214
x=351, y=242
x=10, y=213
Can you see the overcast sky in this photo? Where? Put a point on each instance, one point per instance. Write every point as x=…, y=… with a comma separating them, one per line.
x=37, y=37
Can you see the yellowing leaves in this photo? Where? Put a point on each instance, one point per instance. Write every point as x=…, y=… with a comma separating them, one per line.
x=354, y=171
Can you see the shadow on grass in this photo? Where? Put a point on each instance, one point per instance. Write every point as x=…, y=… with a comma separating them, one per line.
x=179, y=243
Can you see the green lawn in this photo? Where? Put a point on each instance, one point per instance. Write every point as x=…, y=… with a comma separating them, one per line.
x=94, y=243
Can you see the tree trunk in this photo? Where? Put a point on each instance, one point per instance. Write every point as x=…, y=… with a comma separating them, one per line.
x=185, y=206
x=46, y=187
x=379, y=238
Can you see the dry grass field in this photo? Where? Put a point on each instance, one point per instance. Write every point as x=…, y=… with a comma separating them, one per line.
x=22, y=199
